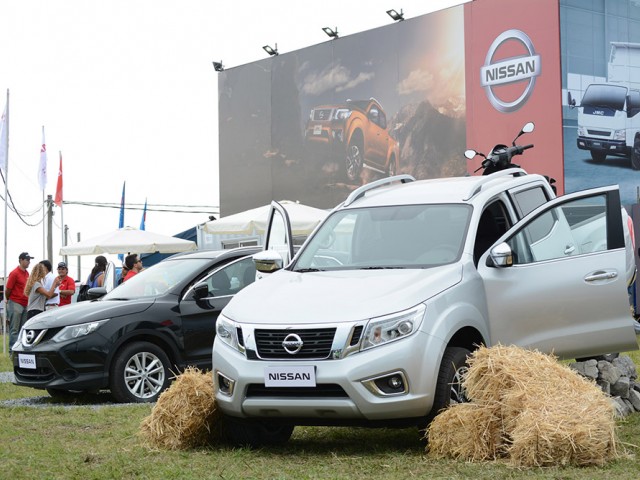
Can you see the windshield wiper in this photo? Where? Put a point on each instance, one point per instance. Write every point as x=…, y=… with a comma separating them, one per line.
x=380, y=268
x=306, y=270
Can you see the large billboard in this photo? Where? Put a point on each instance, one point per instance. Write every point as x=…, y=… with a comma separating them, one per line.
x=411, y=97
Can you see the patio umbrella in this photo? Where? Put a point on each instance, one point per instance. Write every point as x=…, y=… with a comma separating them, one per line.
x=303, y=220
x=129, y=240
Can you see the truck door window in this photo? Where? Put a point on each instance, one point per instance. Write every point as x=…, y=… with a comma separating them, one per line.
x=526, y=201
x=492, y=225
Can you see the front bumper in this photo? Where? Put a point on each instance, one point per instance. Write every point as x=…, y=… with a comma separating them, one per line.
x=73, y=366
x=614, y=147
x=341, y=394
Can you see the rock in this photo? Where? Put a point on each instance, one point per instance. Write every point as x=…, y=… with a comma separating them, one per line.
x=621, y=388
x=634, y=399
x=587, y=369
x=604, y=386
x=621, y=408
x=626, y=366
x=608, y=372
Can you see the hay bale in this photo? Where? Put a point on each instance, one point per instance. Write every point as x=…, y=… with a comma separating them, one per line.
x=546, y=413
x=468, y=432
x=185, y=415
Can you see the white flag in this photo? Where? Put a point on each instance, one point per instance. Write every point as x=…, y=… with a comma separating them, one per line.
x=42, y=171
x=4, y=141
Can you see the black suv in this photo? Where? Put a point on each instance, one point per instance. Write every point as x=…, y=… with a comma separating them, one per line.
x=135, y=338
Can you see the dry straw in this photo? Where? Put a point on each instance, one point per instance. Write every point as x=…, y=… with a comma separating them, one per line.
x=529, y=408
x=185, y=415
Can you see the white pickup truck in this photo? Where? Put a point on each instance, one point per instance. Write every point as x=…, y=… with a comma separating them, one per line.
x=371, y=322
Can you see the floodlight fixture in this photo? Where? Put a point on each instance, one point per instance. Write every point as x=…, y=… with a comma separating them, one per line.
x=271, y=51
x=218, y=67
x=329, y=31
x=398, y=17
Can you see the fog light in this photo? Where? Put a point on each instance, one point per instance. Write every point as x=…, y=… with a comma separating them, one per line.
x=225, y=385
x=395, y=382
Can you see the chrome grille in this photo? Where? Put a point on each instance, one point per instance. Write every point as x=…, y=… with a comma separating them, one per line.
x=316, y=343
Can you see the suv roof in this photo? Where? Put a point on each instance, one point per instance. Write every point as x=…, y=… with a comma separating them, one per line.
x=440, y=190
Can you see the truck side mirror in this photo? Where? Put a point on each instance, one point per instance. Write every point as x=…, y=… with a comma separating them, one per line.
x=268, y=261
x=501, y=256
x=570, y=100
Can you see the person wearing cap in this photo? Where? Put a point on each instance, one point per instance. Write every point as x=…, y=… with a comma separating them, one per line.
x=16, y=299
x=67, y=284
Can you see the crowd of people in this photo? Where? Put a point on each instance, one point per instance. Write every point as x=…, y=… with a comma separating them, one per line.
x=28, y=294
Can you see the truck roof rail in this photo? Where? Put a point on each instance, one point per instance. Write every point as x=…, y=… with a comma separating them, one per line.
x=515, y=172
x=360, y=191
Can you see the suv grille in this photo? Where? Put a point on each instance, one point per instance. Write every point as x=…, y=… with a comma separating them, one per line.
x=316, y=343
x=599, y=132
x=256, y=390
x=323, y=114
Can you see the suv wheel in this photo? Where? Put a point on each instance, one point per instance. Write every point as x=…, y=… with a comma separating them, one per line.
x=391, y=171
x=635, y=153
x=449, y=385
x=139, y=373
x=354, y=159
x=241, y=433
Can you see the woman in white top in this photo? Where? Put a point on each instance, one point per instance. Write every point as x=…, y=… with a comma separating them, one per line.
x=36, y=292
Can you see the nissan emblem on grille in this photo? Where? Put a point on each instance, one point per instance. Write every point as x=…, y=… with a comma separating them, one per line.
x=30, y=336
x=292, y=343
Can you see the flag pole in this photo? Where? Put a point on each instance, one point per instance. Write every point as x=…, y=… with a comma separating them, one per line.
x=43, y=152
x=58, y=199
x=5, y=133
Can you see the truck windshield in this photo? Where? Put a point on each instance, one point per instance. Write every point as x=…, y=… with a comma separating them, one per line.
x=402, y=236
x=605, y=96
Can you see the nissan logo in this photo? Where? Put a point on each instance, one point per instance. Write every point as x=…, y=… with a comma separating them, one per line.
x=292, y=343
x=510, y=70
x=30, y=336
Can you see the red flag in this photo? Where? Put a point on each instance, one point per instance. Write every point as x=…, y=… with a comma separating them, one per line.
x=58, y=199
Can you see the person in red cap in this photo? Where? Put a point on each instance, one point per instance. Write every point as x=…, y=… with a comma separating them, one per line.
x=16, y=299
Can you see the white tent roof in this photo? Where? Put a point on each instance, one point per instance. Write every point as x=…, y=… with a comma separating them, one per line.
x=303, y=220
x=129, y=239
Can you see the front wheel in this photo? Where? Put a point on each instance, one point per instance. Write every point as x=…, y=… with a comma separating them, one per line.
x=635, y=154
x=391, y=171
x=140, y=373
x=449, y=389
x=354, y=159
x=598, y=156
x=241, y=433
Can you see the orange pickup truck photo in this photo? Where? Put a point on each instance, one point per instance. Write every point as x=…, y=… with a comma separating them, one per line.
x=356, y=134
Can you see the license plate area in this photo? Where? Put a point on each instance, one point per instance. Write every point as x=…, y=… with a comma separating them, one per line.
x=290, y=376
x=27, y=361
x=317, y=129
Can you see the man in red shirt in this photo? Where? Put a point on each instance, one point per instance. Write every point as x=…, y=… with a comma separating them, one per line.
x=67, y=284
x=16, y=299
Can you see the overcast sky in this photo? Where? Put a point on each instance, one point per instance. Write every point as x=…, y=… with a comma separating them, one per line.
x=126, y=91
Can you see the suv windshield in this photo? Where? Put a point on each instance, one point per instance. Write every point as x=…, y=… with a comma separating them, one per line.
x=158, y=279
x=404, y=236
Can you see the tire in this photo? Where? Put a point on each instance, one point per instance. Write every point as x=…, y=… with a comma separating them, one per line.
x=139, y=373
x=241, y=433
x=448, y=386
x=598, y=156
x=635, y=153
x=354, y=159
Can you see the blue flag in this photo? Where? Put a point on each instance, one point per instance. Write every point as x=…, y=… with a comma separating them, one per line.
x=121, y=224
x=144, y=215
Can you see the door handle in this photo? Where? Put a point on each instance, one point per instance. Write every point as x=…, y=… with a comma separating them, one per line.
x=593, y=277
x=569, y=249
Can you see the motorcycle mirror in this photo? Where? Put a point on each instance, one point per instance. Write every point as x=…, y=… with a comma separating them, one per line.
x=528, y=128
x=470, y=154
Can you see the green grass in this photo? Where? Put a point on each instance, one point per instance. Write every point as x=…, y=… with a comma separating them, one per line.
x=89, y=442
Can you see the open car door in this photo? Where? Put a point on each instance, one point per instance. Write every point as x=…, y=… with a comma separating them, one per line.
x=556, y=281
x=278, y=247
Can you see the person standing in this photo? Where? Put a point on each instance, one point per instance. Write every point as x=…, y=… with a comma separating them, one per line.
x=134, y=264
x=17, y=301
x=38, y=295
x=54, y=301
x=96, y=277
x=67, y=284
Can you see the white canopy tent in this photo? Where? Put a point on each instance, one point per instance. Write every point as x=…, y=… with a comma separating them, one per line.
x=251, y=222
x=129, y=240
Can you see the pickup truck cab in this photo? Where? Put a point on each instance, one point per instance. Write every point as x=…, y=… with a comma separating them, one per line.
x=371, y=322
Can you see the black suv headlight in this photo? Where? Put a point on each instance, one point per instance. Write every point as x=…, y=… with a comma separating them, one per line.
x=76, y=331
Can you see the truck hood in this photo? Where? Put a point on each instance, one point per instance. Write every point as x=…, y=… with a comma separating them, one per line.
x=84, y=312
x=337, y=296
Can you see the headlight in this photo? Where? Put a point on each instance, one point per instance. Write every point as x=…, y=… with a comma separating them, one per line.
x=227, y=332
x=77, y=331
x=390, y=328
x=342, y=114
x=620, y=135
x=582, y=132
